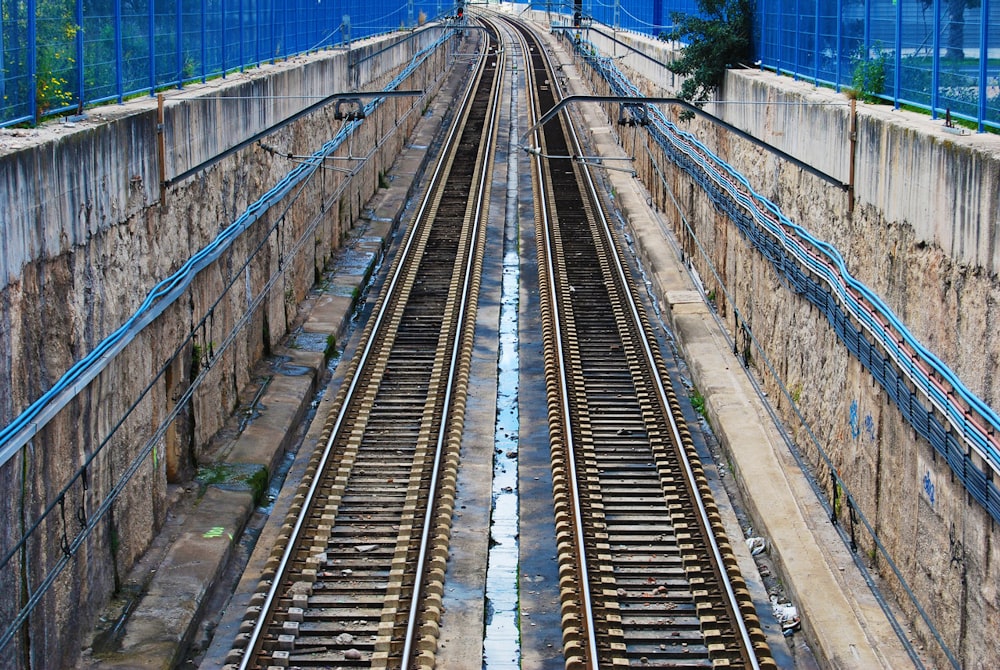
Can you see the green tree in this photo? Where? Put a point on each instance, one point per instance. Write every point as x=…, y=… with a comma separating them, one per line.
x=716, y=40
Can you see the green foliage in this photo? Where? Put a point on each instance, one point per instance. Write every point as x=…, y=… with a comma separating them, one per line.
x=868, y=79
x=698, y=402
x=55, y=55
x=197, y=356
x=715, y=43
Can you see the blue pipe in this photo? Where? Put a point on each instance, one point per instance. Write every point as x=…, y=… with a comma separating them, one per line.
x=22, y=429
x=825, y=261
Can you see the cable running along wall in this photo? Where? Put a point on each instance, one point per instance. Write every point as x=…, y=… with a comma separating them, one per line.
x=958, y=424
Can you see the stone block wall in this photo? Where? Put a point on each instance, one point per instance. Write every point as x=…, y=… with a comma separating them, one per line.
x=922, y=234
x=86, y=233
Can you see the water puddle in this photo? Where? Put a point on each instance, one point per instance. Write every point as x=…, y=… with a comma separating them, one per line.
x=501, y=642
x=501, y=648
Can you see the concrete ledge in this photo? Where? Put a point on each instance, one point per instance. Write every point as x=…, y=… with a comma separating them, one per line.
x=163, y=624
x=845, y=632
x=160, y=626
x=284, y=404
x=843, y=624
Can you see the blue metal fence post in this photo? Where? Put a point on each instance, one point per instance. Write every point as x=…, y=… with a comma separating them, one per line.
x=78, y=42
x=780, y=34
x=152, y=47
x=239, y=8
x=204, y=39
x=868, y=29
x=897, y=76
x=798, y=32
x=178, y=42
x=761, y=55
x=984, y=55
x=222, y=29
x=119, y=55
x=32, y=61
x=839, y=51
x=3, y=88
x=816, y=49
x=936, y=62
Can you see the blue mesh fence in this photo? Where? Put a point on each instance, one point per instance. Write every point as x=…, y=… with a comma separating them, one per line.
x=650, y=17
x=942, y=57
x=58, y=55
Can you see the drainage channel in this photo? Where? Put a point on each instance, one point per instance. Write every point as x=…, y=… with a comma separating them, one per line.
x=501, y=642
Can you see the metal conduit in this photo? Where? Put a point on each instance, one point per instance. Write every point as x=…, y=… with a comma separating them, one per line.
x=22, y=429
x=796, y=255
x=882, y=368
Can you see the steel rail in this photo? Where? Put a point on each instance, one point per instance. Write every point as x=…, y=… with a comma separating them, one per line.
x=591, y=646
x=470, y=261
x=663, y=396
x=732, y=602
x=255, y=638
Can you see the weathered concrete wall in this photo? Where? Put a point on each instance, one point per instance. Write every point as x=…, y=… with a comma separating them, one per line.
x=84, y=236
x=922, y=235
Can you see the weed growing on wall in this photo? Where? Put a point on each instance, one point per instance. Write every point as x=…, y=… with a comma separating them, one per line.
x=868, y=78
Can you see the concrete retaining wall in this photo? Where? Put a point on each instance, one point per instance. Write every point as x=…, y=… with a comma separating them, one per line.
x=922, y=234
x=84, y=236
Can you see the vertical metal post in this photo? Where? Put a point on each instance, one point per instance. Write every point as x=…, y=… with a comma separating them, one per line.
x=868, y=28
x=762, y=54
x=78, y=40
x=798, y=32
x=152, y=46
x=32, y=61
x=283, y=41
x=204, y=39
x=936, y=62
x=853, y=135
x=816, y=49
x=777, y=55
x=239, y=8
x=838, y=51
x=161, y=149
x=178, y=42
x=271, y=50
x=984, y=35
x=897, y=77
x=3, y=89
x=119, y=54
x=222, y=28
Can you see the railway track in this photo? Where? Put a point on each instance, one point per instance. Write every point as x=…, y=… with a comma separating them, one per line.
x=357, y=580
x=646, y=574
